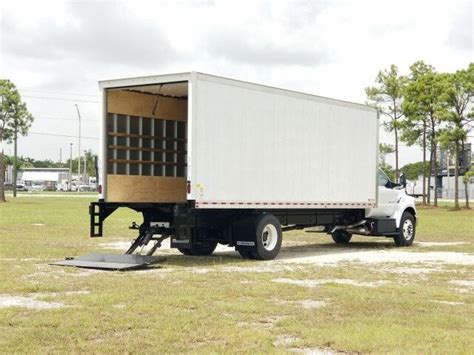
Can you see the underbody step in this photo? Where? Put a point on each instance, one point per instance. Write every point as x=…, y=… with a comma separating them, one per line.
x=109, y=261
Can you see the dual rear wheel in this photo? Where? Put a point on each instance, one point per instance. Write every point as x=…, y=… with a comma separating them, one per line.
x=264, y=243
x=267, y=238
x=201, y=249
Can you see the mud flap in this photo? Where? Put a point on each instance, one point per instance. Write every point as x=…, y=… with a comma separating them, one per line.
x=109, y=262
x=243, y=232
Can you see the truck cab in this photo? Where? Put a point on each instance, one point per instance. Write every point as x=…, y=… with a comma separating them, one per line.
x=394, y=216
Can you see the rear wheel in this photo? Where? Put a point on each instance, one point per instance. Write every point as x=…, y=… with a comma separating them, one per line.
x=341, y=236
x=201, y=249
x=407, y=230
x=268, y=238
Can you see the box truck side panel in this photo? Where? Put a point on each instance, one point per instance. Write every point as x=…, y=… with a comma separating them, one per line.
x=256, y=146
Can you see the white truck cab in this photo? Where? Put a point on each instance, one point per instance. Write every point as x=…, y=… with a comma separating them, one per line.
x=394, y=216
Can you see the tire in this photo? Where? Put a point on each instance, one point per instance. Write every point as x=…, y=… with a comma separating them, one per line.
x=341, y=237
x=185, y=251
x=407, y=230
x=201, y=249
x=268, y=237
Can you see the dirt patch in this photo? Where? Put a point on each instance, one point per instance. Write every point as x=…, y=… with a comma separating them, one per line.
x=314, y=351
x=376, y=257
x=439, y=244
x=55, y=272
x=284, y=340
x=450, y=303
x=30, y=302
x=421, y=271
x=463, y=285
x=312, y=304
x=315, y=283
x=303, y=283
x=57, y=294
x=306, y=304
x=266, y=266
x=201, y=271
x=266, y=323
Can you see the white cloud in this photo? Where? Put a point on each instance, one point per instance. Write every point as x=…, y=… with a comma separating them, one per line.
x=329, y=48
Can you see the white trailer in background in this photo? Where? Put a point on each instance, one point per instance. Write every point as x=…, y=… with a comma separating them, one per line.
x=210, y=160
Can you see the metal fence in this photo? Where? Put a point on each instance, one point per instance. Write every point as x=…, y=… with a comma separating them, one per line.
x=448, y=193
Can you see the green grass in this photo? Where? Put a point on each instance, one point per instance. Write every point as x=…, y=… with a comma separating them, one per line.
x=172, y=308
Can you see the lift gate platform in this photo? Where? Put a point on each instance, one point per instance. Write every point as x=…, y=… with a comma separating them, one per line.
x=109, y=261
x=127, y=261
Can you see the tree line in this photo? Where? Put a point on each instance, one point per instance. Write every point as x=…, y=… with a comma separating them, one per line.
x=15, y=121
x=427, y=108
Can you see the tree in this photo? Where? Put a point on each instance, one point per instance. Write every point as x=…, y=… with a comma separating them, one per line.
x=466, y=179
x=14, y=120
x=413, y=170
x=387, y=97
x=424, y=106
x=88, y=160
x=459, y=93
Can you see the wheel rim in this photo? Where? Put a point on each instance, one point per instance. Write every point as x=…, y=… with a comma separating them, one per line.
x=407, y=229
x=269, y=237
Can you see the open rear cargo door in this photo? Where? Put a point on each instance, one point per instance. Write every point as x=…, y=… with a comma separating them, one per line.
x=146, y=138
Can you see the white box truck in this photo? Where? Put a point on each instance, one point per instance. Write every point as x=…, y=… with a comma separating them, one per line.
x=210, y=160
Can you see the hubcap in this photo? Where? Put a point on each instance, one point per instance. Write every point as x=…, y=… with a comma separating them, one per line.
x=269, y=237
x=407, y=229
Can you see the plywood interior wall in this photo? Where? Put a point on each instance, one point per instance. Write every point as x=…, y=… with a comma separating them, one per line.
x=146, y=105
x=157, y=189
x=146, y=147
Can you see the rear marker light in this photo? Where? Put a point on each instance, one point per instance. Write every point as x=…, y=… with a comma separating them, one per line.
x=188, y=187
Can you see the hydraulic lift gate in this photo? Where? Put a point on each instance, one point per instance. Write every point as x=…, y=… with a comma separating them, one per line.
x=109, y=262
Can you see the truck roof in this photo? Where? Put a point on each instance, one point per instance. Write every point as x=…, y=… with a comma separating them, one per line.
x=187, y=76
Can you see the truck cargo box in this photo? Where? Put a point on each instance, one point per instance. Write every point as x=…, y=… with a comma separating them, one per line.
x=224, y=143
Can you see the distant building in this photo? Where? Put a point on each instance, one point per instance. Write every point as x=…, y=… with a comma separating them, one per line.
x=48, y=177
x=446, y=161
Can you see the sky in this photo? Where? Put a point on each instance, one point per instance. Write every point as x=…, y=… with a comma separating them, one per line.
x=56, y=51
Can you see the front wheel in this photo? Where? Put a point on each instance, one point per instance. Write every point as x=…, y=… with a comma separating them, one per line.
x=341, y=236
x=407, y=230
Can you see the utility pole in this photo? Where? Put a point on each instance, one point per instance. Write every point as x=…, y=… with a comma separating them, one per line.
x=79, y=148
x=86, y=180
x=70, y=166
x=15, y=163
x=60, y=157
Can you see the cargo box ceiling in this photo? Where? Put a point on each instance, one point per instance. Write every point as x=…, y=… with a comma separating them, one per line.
x=147, y=143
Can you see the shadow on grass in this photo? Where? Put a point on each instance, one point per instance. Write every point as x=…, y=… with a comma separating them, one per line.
x=229, y=257
x=293, y=252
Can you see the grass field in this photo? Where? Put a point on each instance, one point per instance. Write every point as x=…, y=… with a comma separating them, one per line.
x=367, y=297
